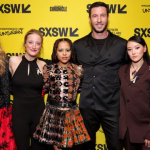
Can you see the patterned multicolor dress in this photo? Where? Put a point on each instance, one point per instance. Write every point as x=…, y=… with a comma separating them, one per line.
x=57, y=126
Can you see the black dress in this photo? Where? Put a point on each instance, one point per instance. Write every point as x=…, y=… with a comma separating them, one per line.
x=28, y=103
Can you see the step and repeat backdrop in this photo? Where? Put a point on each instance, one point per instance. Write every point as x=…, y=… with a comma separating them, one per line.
x=64, y=18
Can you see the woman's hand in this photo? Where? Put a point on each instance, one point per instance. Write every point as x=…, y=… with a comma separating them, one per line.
x=147, y=143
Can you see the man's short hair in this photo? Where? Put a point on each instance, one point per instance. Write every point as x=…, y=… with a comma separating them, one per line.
x=98, y=4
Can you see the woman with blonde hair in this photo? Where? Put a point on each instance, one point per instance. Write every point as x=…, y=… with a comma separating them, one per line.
x=7, y=141
x=27, y=82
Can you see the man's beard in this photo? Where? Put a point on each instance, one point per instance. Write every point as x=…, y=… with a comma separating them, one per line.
x=101, y=31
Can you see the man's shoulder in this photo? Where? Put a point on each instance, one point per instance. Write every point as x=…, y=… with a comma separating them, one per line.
x=81, y=40
x=118, y=38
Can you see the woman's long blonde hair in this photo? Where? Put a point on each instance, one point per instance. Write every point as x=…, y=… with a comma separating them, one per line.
x=2, y=61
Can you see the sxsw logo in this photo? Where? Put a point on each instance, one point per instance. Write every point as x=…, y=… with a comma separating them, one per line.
x=113, y=8
x=15, y=8
x=14, y=54
x=62, y=32
x=145, y=8
x=143, y=32
x=101, y=147
x=58, y=8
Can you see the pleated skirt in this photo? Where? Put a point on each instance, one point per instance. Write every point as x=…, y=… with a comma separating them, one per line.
x=63, y=128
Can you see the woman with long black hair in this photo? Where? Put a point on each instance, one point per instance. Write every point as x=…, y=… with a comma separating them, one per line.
x=135, y=96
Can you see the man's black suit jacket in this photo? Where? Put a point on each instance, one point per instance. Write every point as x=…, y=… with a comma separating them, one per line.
x=100, y=86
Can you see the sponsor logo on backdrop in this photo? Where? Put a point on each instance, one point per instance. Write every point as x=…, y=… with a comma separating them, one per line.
x=59, y=31
x=10, y=31
x=101, y=147
x=114, y=8
x=14, y=54
x=15, y=8
x=143, y=32
x=145, y=8
x=115, y=31
x=58, y=8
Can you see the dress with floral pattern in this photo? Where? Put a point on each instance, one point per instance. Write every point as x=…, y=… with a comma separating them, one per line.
x=57, y=126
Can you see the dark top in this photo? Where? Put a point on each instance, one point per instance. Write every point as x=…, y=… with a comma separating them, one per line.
x=100, y=85
x=27, y=80
x=99, y=44
x=5, y=87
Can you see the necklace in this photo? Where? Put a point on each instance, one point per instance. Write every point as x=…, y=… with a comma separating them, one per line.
x=135, y=70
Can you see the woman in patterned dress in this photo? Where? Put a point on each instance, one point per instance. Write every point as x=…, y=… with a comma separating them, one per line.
x=7, y=141
x=61, y=124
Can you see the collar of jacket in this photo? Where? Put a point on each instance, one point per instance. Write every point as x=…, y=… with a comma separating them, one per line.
x=108, y=43
x=139, y=73
x=90, y=41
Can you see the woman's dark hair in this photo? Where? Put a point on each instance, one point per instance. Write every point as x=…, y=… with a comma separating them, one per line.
x=141, y=41
x=98, y=4
x=54, y=57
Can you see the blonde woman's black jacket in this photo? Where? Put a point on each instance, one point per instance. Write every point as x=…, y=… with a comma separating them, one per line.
x=100, y=87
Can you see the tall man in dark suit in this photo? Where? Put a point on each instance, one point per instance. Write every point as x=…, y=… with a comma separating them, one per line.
x=101, y=54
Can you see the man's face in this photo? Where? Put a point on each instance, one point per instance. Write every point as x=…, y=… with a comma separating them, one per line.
x=99, y=19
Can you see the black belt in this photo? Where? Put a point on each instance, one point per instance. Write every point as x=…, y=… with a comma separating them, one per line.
x=62, y=104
